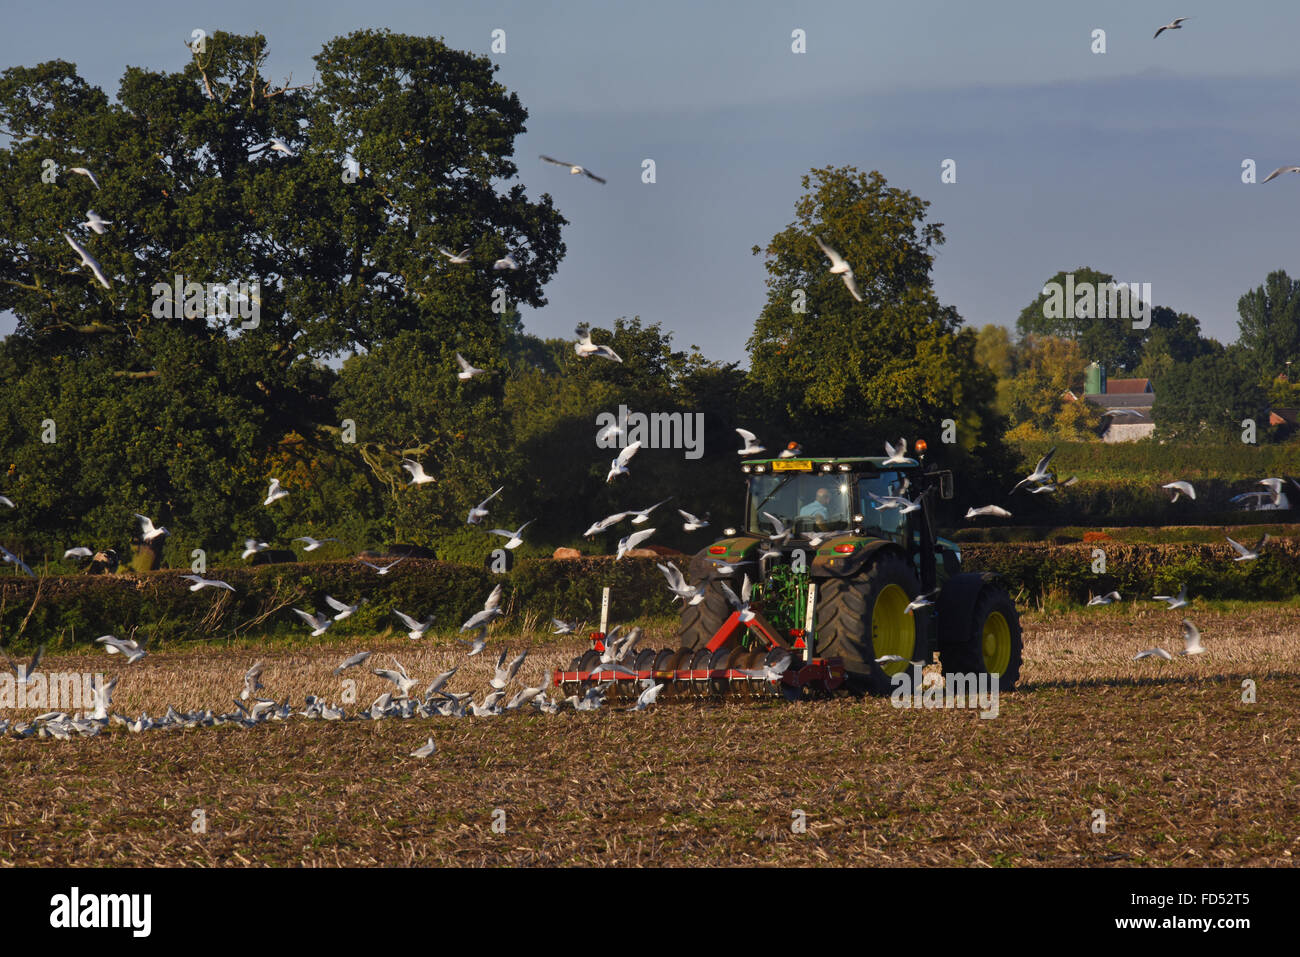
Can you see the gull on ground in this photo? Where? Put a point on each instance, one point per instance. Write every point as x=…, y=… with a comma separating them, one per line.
x=201, y=582
x=479, y=511
x=133, y=650
x=467, y=371
x=840, y=268
x=647, y=698
x=313, y=543
x=319, y=623
x=89, y=261
x=586, y=348
x=425, y=750
x=618, y=466
x=573, y=168
x=1181, y=488
x=275, y=493
x=751, y=443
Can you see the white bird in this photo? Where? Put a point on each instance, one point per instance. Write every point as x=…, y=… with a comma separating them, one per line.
x=89, y=261
x=437, y=684
x=647, y=698
x=1053, y=486
x=1104, y=599
x=1153, y=653
x=93, y=221
x=477, y=643
x=643, y=515
x=524, y=696
x=770, y=672
x=900, y=502
x=516, y=537
x=921, y=601
x=5, y=500
x=319, y=623
x=490, y=613
x=751, y=443
x=149, y=530
x=605, y=523
x=1192, y=639
x=505, y=673
x=692, y=523
x=253, y=680
x=252, y=546
x=425, y=750
x=1279, y=171
x=741, y=604
x=782, y=533
x=313, y=543
x=889, y=659
x=987, y=510
x=79, y=552
x=278, y=145
x=840, y=268
x=618, y=466
x=12, y=559
x=1274, y=485
x=586, y=348
x=1181, y=488
x=342, y=608
x=564, y=627
x=418, y=475
x=358, y=659
x=84, y=172
x=385, y=569
x=24, y=674
x=479, y=511
x=399, y=677
x=791, y=451
x=201, y=582
x=467, y=371
x=898, y=455
x=1247, y=554
x=1040, y=474
x=506, y=262
x=690, y=595
x=626, y=545
x=1180, y=601
x=133, y=651
x=102, y=698
x=275, y=493
x=459, y=258
x=593, y=699
x=418, y=628
x=573, y=168
x=1176, y=25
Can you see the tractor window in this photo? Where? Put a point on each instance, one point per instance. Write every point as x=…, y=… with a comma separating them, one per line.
x=889, y=522
x=808, y=503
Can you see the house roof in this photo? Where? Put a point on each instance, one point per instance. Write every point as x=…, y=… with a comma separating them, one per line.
x=1132, y=400
x=1128, y=386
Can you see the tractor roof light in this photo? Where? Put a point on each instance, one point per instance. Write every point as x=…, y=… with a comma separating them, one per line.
x=846, y=468
x=746, y=468
x=759, y=468
x=826, y=466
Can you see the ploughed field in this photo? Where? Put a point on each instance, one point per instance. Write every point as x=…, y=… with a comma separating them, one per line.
x=1185, y=772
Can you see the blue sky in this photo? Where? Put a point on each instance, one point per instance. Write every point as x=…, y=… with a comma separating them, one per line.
x=1128, y=161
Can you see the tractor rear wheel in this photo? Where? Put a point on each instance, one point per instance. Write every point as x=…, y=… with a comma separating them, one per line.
x=699, y=623
x=993, y=645
x=863, y=618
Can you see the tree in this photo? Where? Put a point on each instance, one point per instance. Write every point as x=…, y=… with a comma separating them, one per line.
x=1269, y=324
x=1087, y=319
x=1037, y=406
x=1210, y=395
x=1174, y=338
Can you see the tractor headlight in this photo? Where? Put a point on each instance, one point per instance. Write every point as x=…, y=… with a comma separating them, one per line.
x=826, y=467
x=846, y=468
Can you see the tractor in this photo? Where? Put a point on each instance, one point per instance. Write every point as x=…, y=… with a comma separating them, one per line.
x=836, y=553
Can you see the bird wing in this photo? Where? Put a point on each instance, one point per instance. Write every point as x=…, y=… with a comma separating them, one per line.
x=625, y=456
x=749, y=437
x=1041, y=468
x=853, y=286
x=493, y=600
x=407, y=620
x=593, y=176
x=1241, y=549
x=551, y=159
x=490, y=497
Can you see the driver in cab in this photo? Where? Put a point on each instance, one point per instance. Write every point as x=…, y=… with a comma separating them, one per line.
x=819, y=509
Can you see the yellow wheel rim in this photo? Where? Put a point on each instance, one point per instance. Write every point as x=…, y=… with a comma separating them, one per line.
x=892, y=631
x=997, y=644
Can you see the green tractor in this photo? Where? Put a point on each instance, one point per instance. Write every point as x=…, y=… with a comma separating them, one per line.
x=836, y=550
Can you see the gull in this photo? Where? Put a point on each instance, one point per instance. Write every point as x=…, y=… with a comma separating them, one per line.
x=1104, y=599
x=425, y=750
x=399, y=677
x=678, y=586
x=79, y=552
x=84, y=172
x=1176, y=25
x=516, y=537
x=313, y=543
x=793, y=450
x=605, y=523
x=840, y=268
x=438, y=683
x=24, y=672
x=279, y=146
x=647, y=698
x=564, y=627
x=818, y=538
x=1247, y=554
x=1274, y=485
x=505, y=673
x=643, y=515
x=900, y=502
x=692, y=523
x=741, y=604
x=987, y=510
x=460, y=258
x=625, y=545
x=385, y=569
x=342, y=608
x=921, y=601
x=319, y=623
x=253, y=680
x=149, y=530
x=526, y=695
x=491, y=611
x=1191, y=639
x=201, y=582
x=358, y=659
x=252, y=546
x=898, y=456
x=888, y=659
x=467, y=371
x=418, y=628
x=477, y=643
x=5, y=500
x=88, y=261
x=586, y=348
x=574, y=168
x=770, y=672
x=418, y=475
x=1040, y=474
x=479, y=511
x=1153, y=653
x=782, y=533
x=1174, y=602
x=94, y=222
x=133, y=650
x=593, y=699
x=1181, y=488
x=1053, y=486
x=751, y=443
x=506, y=262
x=102, y=698
x=618, y=466
x=1279, y=171
x=275, y=493
x=13, y=559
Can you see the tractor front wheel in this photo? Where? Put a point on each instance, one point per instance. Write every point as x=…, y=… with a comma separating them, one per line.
x=863, y=618
x=700, y=622
x=993, y=645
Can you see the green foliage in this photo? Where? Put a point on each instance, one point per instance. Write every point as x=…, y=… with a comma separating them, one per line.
x=1209, y=396
x=1269, y=324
